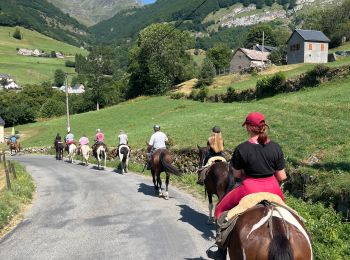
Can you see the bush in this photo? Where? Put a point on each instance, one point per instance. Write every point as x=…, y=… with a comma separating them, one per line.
x=52, y=107
x=207, y=73
x=330, y=237
x=203, y=94
x=230, y=94
x=269, y=86
x=70, y=64
x=177, y=95
x=17, y=34
x=315, y=76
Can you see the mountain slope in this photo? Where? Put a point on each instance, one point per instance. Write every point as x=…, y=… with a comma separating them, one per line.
x=210, y=16
x=90, y=12
x=32, y=70
x=43, y=17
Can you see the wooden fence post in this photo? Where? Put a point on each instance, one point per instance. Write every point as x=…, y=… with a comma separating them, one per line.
x=13, y=170
x=8, y=181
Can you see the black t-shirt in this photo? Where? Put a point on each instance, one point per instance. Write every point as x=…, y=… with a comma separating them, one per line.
x=258, y=160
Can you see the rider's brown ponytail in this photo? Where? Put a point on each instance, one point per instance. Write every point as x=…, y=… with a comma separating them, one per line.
x=260, y=130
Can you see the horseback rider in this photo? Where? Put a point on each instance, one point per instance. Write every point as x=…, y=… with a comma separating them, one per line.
x=58, y=139
x=83, y=141
x=158, y=141
x=99, y=140
x=215, y=144
x=69, y=139
x=259, y=163
x=13, y=139
x=123, y=140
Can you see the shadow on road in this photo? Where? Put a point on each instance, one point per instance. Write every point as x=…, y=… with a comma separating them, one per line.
x=146, y=189
x=197, y=220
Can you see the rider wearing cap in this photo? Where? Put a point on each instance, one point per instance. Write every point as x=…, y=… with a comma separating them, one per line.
x=99, y=137
x=158, y=140
x=215, y=144
x=259, y=162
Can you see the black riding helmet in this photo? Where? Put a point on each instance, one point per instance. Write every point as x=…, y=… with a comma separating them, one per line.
x=156, y=127
x=216, y=129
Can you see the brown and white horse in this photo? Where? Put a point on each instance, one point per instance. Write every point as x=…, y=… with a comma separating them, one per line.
x=266, y=232
x=100, y=153
x=16, y=147
x=217, y=179
x=124, y=154
x=161, y=161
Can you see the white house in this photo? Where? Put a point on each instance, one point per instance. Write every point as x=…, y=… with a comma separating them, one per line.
x=245, y=58
x=59, y=55
x=25, y=52
x=77, y=89
x=36, y=53
x=12, y=86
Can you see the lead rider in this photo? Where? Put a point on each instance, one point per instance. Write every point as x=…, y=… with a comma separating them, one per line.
x=158, y=141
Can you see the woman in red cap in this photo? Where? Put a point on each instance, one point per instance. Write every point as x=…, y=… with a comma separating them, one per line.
x=259, y=163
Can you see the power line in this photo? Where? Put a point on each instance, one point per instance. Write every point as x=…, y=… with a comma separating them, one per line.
x=183, y=20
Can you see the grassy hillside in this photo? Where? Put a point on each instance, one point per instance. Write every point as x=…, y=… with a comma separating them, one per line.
x=309, y=122
x=29, y=70
x=43, y=17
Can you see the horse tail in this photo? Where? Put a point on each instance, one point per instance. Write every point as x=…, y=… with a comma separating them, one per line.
x=280, y=248
x=167, y=165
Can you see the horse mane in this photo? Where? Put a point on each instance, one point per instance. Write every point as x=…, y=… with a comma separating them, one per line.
x=168, y=166
x=280, y=248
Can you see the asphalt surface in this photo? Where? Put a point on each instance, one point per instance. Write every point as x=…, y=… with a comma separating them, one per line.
x=83, y=213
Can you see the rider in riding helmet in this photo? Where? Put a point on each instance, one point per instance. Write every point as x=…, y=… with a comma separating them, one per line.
x=69, y=139
x=13, y=139
x=58, y=138
x=99, y=137
x=83, y=141
x=259, y=163
x=123, y=140
x=215, y=144
x=158, y=141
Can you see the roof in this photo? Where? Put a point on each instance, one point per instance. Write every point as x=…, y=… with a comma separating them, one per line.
x=2, y=122
x=255, y=55
x=258, y=47
x=311, y=35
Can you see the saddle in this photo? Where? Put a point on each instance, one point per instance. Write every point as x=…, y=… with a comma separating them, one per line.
x=228, y=219
x=204, y=171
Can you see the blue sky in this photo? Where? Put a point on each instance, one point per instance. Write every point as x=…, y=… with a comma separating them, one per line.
x=148, y=1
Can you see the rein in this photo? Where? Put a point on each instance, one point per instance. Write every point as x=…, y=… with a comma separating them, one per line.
x=272, y=208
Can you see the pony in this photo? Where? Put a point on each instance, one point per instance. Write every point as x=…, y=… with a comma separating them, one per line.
x=161, y=161
x=124, y=154
x=16, y=147
x=59, y=147
x=218, y=180
x=85, y=152
x=100, y=153
x=72, y=149
x=268, y=231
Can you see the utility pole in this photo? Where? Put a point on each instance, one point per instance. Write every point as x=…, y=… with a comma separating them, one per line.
x=262, y=51
x=67, y=102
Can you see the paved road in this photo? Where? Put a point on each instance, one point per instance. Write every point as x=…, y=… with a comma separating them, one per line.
x=83, y=213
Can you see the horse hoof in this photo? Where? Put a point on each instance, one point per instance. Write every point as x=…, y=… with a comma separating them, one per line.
x=210, y=221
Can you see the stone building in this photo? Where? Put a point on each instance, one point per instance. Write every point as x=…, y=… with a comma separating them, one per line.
x=244, y=59
x=307, y=46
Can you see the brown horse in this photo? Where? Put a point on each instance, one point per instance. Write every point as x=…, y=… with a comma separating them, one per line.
x=161, y=161
x=218, y=179
x=267, y=232
x=16, y=147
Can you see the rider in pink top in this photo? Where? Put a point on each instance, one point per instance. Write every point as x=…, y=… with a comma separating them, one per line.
x=83, y=141
x=99, y=137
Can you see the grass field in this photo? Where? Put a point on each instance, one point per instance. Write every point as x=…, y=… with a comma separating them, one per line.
x=309, y=122
x=30, y=70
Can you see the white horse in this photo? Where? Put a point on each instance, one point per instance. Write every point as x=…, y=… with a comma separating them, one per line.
x=85, y=151
x=101, y=155
x=124, y=154
x=71, y=152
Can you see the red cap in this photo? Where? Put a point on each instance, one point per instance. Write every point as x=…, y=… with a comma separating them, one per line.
x=254, y=119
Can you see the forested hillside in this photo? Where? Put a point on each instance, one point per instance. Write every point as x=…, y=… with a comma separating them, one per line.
x=127, y=24
x=43, y=17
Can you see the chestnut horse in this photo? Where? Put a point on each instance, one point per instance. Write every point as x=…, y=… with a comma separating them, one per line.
x=268, y=231
x=14, y=147
x=218, y=179
x=161, y=161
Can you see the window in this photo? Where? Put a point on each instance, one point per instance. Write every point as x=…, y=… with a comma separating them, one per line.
x=310, y=46
x=298, y=46
x=322, y=47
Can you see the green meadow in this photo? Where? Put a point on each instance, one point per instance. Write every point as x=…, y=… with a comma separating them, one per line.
x=309, y=122
x=32, y=70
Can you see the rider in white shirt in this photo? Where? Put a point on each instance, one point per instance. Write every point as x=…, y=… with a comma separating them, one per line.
x=158, y=139
x=123, y=138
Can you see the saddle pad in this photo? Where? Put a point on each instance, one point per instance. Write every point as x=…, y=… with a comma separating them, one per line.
x=214, y=159
x=251, y=200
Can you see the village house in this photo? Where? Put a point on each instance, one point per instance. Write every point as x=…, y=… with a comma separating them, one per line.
x=25, y=52
x=259, y=47
x=76, y=89
x=7, y=82
x=2, y=135
x=244, y=59
x=307, y=46
x=59, y=55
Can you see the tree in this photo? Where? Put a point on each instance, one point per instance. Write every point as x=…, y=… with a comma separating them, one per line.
x=207, y=74
x=159, y=60
x=52, y=107
x=278, y=56
x=220, y=55
x=17, y=34
x=255, y=36
x=59, y=78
